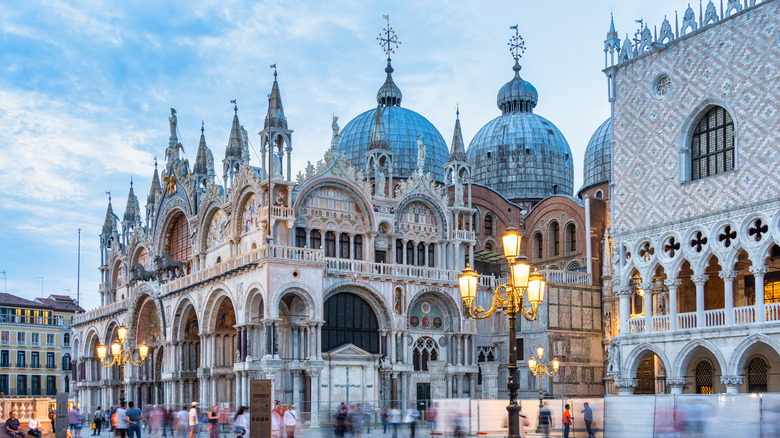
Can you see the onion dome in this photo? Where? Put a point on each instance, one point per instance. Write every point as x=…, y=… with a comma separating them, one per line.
x=517, y=94
x=598, y=156
x=401, y=128
x=520, y=154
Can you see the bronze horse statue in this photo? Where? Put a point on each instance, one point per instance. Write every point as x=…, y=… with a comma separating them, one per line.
x=173, y=268
x=139, y=273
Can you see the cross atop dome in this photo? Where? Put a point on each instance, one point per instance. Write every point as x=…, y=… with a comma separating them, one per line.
x=516, y=45
x=387, y=38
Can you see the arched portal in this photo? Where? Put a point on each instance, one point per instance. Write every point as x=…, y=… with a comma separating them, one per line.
x=224, y=337
x=650, y=375
x=349, y=319
x=149, y=331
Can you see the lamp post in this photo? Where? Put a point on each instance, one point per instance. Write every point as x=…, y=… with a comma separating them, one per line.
x=510, y=299
x=539, y=369
x=121, y=357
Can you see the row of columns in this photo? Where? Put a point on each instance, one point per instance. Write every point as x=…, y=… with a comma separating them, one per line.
x=699, y=281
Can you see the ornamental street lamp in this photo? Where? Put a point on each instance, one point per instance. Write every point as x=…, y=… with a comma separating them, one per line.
x=539, y=369
x=120, y=356
x=510, y=299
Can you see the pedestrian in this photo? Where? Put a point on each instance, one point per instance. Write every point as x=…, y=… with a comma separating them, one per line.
x=430, y=416
x=112, y=418
x=134, y=417
x=587, y=416
x=121, y=421
x=98, y=420
x=241, y=422
x=192, y=419
x=522, y=421
x=277, y=420
x=213, y=419
x=395, y=419
x=52, y=418
x=545, y=419
x=567, y=420
x=384, y=416
x=356, y=420
x=34, y=426
x=182, y=422
x=340, y=421
x=12, y=426
x=411, y=417
x=290, y=421
x=74, y=422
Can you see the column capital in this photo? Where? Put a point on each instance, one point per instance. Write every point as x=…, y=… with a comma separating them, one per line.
x=758, y=270
x=678, y=382
x=626, y=386
x=731, y=380
x=700, y=279
x=647, y=286
x=727, y=275
x=669, y=282
x=622, y=290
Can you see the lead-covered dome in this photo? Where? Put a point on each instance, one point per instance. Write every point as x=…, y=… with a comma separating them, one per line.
x=597, y=167
x=402, y=126
x=520, y=154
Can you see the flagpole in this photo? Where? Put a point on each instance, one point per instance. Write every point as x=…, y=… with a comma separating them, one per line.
x=78, y=271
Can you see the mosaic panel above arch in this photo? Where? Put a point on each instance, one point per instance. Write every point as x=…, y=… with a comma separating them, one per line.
x=149, y=326
x=330, y=202
x=226, y=317
x=250, y=215
x=191, y=326
x=418, y=217
x=218, y=229
x=142, y=257
x=427, y=314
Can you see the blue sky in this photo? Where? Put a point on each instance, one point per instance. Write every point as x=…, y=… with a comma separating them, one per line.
x=86, y=88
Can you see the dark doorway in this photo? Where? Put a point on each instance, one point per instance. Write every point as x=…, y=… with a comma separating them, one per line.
x=423, y=396
x=645, y=376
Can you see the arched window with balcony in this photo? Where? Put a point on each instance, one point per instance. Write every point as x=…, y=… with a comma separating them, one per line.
x=420, y=254
x=315, y=240
x=357, y=247
x=344, y=246
x=431, y=255
x=399, y=252
x=300, y=237
x=409, y=253
x=330, y=244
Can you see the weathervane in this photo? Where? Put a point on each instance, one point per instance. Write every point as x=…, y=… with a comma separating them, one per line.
x=387, y=38
x=516, y=44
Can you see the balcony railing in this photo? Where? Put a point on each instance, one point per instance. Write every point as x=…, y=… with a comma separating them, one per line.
x=277, y=212
x=33, y=320
x=101, y=311
x=566, y=277
x=712, y=318
x=390, y=271
x=279, y=253
x=461, y=235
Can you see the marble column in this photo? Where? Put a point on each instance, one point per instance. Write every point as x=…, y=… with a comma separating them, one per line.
x=648, y=306
x=699, y=281
x=728, y=296
x=758, y=273
x=672, y=285
x=624, y=295
x=489, y=380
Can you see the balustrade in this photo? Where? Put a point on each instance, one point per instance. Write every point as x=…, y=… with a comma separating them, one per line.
x=389, y=270
x=636, y=325
x=744, y=315
x=715, y=317
x=686, y=320
x=461, y=235
x=773, y=312
x=661, y=323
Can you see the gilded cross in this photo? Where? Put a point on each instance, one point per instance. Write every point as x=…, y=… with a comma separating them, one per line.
x=387, y=38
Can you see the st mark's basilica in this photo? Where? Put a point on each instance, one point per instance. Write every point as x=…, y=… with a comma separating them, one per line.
x=340, y=282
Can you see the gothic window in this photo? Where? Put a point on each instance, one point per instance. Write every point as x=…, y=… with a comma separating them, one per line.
x=330, y=244
x=488, y=225
x=425, y=349
x=399, y=252
x=315, y=240
x=571, y=234
x=420, y=254
x=757, y=375
x=539, y=245
x=409, y=253
x=344, y=246
x=300, y=237
x=599, y=194
x=431, y=255
x=177, y=244
x=704, y=377
x=349, y=319
x=712, y=144
x=357, y=249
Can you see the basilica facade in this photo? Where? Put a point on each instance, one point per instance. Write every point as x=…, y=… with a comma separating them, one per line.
x=340, y=282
